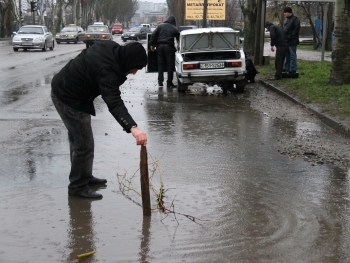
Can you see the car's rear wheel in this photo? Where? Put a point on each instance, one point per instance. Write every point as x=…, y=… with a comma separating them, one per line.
x=76, y=41
x=181, y=87
x=15, y=49
x=240, y=85
x=137, y=38
x=44, y=48
x=53, y=45
x=25, y=49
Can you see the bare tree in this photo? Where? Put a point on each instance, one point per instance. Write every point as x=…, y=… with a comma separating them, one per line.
x=340, y=73
x=249, y=9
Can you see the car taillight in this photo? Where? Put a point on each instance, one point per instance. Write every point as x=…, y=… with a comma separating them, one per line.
x=234, y=64
x=190, y=66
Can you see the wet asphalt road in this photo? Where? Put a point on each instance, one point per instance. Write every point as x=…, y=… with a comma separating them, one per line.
x=217, y=158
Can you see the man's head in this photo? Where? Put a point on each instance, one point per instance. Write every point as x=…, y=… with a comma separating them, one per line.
x=267, y=25
x=171, y=20
x=287, y=12
x=132, y=57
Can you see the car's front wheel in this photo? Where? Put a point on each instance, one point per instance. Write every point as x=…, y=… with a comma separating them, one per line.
x=15, y=49
x=76, y=41
x=58, y=42
x=124, y=40
x=44, y=48
x=137, y=38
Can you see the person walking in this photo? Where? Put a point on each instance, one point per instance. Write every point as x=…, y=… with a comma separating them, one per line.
x=291, y=28
x=99, y=70
x=278, y=40
x=162, y=40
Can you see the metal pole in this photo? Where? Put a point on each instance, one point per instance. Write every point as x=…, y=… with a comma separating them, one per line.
x=324, y=30
x=205, y=11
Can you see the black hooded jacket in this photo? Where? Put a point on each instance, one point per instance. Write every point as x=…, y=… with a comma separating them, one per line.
x=278, y=38
x=165, y=33
x=99, y=70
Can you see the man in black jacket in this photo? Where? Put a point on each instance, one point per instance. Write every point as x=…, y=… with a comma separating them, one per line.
x=163, y=38
x=99, y=70
x=291, y=28
x=278, y=40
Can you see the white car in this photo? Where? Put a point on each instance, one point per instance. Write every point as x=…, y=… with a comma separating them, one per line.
x=33, y=37
x=213, y=56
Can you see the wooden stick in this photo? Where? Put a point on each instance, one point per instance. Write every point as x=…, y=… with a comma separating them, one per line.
x=146, y=200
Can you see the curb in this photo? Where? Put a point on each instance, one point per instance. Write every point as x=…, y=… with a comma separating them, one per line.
x=329, y=121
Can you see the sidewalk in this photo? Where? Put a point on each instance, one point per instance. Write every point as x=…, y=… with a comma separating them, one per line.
x=341, y=125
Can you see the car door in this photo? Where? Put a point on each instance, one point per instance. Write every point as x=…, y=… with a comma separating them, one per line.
x=48, y=36
x=81, y=34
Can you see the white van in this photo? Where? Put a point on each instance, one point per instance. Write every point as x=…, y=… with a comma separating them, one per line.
x=146, y=25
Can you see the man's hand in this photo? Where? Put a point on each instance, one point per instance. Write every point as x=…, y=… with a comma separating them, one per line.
x=141, y=137
x=152, y=48
x=272, y=48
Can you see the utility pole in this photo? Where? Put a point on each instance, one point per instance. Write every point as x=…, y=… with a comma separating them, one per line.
x=205, y=11
x=20, y=13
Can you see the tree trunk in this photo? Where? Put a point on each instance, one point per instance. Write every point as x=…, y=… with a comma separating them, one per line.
x=250, y=13
x=330, y=26
x=340, y=73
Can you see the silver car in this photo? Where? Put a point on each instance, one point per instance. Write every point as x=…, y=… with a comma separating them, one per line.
x=33, y=37
x=70, y=33
x=96, y=32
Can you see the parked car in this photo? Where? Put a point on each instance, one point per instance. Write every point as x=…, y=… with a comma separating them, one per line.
x=212, y=56
x=117, y=28
x=71, y=33
x=33, y=37
x=96, y=33
x=136, y=33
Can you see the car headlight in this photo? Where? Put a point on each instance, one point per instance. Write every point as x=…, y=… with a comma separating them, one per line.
x=16, y=39
x=122, y=35
x=57, y=35
x=39, y=39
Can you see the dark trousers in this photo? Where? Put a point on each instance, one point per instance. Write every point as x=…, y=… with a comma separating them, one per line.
x=81, y=144
x=279, y=60
x=166, y=59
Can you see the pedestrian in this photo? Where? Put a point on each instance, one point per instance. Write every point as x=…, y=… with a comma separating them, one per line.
x=291, y=28
x=162, y=40
x=99, y=70
x=278, y=40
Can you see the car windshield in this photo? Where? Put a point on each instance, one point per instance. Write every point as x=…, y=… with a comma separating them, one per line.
x=134, y=29
x=97, y=29
x=31, y=30
x=69, y=29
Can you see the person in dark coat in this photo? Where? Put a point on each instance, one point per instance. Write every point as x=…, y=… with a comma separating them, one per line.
x=291, y=28
x=99, y=70
x=163, y=39
x=278, y=40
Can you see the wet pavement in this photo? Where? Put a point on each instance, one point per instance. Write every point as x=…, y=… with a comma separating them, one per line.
x=219, y=161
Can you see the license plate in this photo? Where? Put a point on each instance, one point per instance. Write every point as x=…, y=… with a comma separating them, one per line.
x=96, y=36
x=212, y=65
x=27, y=44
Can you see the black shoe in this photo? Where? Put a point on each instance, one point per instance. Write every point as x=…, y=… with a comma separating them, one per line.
x=292, y=72
x=160, y=85
x=95, y=181
x=86, y=193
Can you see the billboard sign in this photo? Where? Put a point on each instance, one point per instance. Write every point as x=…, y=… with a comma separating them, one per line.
x=215, y=10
